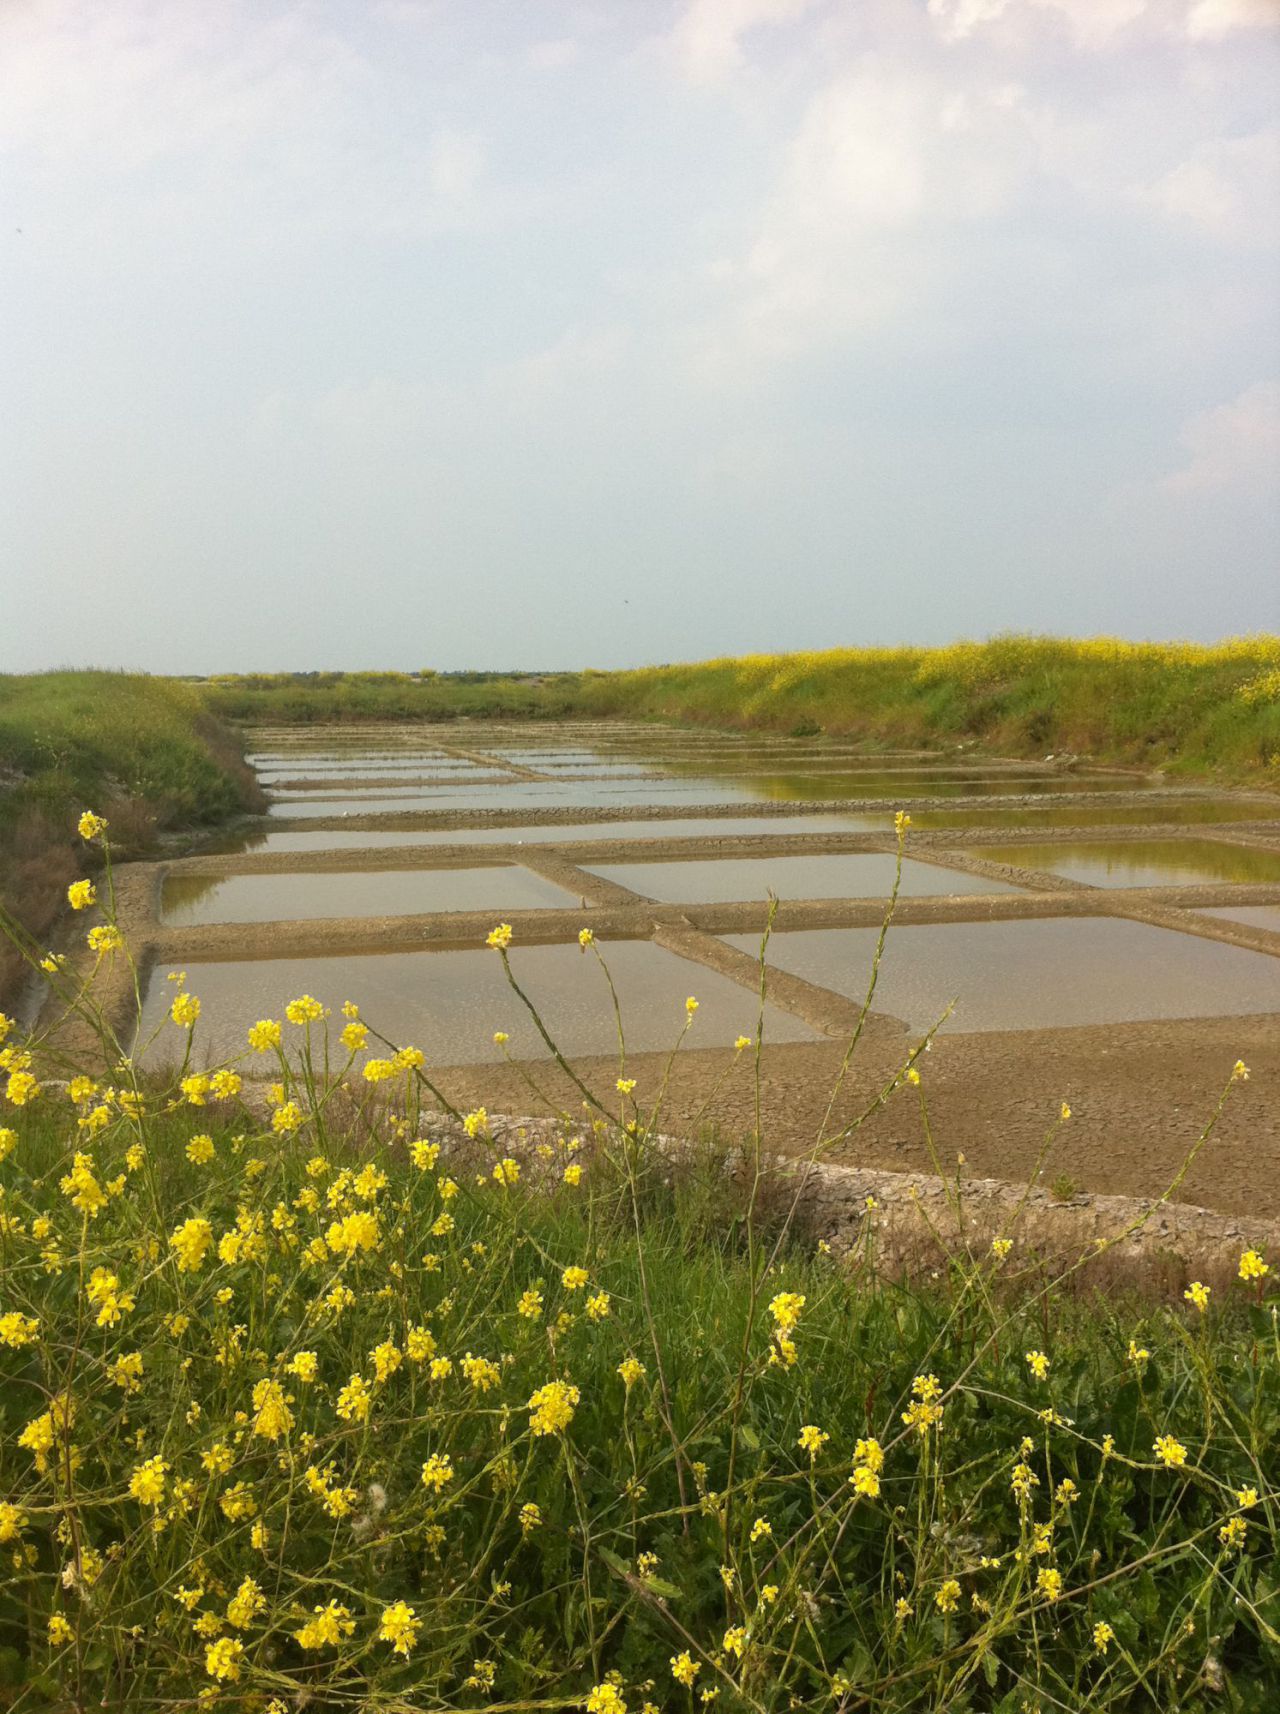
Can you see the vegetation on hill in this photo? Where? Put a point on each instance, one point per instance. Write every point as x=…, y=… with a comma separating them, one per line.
x=1181, y=705
x=147, y=750
x=1184, y=706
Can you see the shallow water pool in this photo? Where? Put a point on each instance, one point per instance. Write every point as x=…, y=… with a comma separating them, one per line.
x=1033, y=975
x=450, y=1003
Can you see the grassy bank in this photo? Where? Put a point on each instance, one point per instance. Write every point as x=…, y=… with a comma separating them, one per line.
x=1191, y=708
x=145, y=751
x=326, y=697
x=1181, y=705
x=323, y=1403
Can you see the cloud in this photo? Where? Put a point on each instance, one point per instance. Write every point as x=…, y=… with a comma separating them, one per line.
x=707, y=40
x=1210, y=20
x=887, y=161
x=1091, y=23
x=1229, y=188
x=1233, y=448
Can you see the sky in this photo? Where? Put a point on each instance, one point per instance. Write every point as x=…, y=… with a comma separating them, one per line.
x=556, y=333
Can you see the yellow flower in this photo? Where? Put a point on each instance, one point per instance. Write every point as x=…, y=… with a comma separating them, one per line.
x=17, y=1330
x=103, y=1291
x=740, y=1043
x=1102, y=1636
x=146, y=1484
x=331, y=1623
x=81, y=894
x=264, y=1035
x=190, y=1243
x=355, y=1231
x=605, y=1698
x=437, y=1472
x=585, y=938
x=1232, y=1534
x=947, y=1598
x=530, y=1517
x=1049, y=1583
x=481, y=1372
x=631, y=1370
x=574, y=1278
x=185, y=1010
x=399, y=1627
x=901, y=822
x=552, y=1406
x=105, y=938
x=245, y=1605
x=1169, y=1451
x=1038, y=1363
x=625, y=1085
x=60, y=1632
x=386, y=1359
x=274, y=1418
x=598, y=1306
x=354, y=1400
x=1240, y=1072
x=785, y=1309
x=304, y=1010
x=378, y=1070
x=1252, y=1266
x=90, y=825
x=573, y=1174
x=530, y=1304
x=507, y=1171
x=684, y=1669
x=734, y=1640
x=499, y=938
x=812, y=1439
x=21, y=1088
x=1198, y=1294
x=691, y=1005
x=200, y=1149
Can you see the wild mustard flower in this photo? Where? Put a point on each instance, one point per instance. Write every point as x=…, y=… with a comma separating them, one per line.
x=605, y=1698
x=185, y=1010
x=91, y=826
x=1172, y=1453
x=684, y=1669
x=552, y=1406
x=82, y=894
x=1103, y=1636
x=265, y=1035
x=1038, y=1363
x=399, y=1627
x=1252, y=1266
x=1198, y=1294
x=437, y=1472
x=499, y=938
x=812, y=1439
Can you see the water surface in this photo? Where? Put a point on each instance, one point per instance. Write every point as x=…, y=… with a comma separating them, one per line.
x=722, y=880
x=1033, y=975
x=1140, y=862
x=189, y=899
x=450, y=1003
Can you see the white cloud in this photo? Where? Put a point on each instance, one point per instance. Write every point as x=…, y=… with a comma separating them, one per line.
x=1210, y=20
x=887, y=158
x=707, y=40
x=1233, y=448
x=1229, y=188
x=1092, y=23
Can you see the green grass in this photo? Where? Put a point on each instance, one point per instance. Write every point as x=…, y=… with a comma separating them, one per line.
x=144, y=751
x=1188, y=707
x=786, y=1477
x=1193, y=709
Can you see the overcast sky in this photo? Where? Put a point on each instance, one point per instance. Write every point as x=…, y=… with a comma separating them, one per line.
x=406, y=333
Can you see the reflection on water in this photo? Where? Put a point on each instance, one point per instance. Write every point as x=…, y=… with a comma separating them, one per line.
x=1033, y=975
x=721, y=880
x=450, y=1003
x=191, y=899
x=1254, y=916
x=1140, y=862
x=1082, y=813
